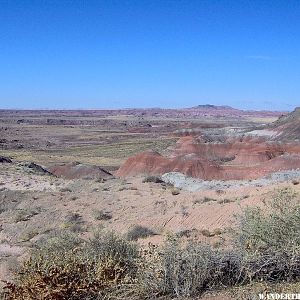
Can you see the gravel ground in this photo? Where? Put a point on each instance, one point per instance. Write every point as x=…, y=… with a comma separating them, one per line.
x=184, y=182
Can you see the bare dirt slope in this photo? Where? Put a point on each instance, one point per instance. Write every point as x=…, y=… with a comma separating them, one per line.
x=235, y=158
x=288, y=126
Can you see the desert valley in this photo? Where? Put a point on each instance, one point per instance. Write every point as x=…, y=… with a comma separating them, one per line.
x=145, y=174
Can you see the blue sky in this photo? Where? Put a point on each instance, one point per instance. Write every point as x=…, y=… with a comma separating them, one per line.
x=156, y=53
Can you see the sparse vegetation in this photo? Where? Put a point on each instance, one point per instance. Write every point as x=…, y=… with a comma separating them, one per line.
x=138, y=232
x=73, y=222
x=225, y=200
x=102, y=215
x=266, y=249
x=185, y=233
x=25, y=215
x=184, y=211
x=204, y=200
x=206, y=233
x=217, y=231
x=29, y=235
x=208, y=199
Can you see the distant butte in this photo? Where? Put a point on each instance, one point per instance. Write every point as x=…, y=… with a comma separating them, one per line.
x=211, y=106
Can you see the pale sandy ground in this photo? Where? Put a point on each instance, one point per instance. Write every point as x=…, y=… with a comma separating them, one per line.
x=130, y=202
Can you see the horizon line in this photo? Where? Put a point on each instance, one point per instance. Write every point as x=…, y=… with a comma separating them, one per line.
x=143, y=108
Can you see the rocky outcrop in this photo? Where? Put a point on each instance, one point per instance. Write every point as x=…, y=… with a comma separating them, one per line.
x=4, y=159
x=34, y=168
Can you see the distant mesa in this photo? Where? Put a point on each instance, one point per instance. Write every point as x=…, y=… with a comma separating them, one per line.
x=76, y=170
x=211, y=106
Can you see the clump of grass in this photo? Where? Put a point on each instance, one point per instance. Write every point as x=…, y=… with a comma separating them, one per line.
x=220, y=192
x=208, y=199
x=217, y=231
x=226, y=200
x=100, y=180
x=175, y=191
x=133, y=188
x=186, y=233
x=25, y=215
x=29, y=235
x=155, y=179
x=204, y=200
x=65, y=189
x=73, y=222
x=102, y=215
x=206, y=233
x=197, y=201
x=184, y=211
x=138, y=232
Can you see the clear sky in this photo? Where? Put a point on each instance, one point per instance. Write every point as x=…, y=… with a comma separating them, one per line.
x=155, y=53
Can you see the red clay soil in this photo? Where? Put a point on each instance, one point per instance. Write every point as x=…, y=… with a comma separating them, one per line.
x=240, y=158
x=77, y=170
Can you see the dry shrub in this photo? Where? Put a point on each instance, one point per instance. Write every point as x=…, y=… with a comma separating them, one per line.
x=267, y=249
x=69, y=268
x=269, y=241
x=181, y=271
